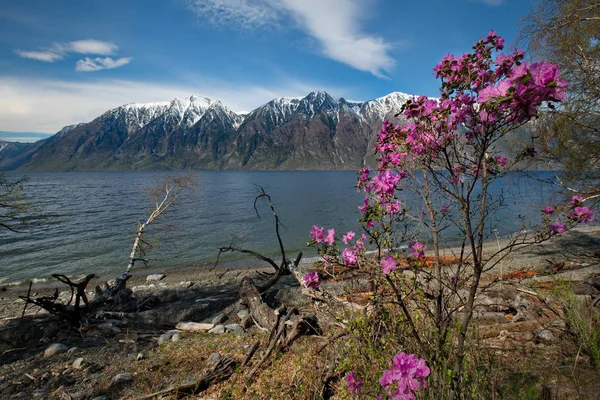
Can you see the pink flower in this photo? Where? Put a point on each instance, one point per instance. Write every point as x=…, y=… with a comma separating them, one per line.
x=407, y=375
x=311, y=280
x=388, y=264
x=582, y=214
x=501, y=160
x=349, y=256
x=444, y=210
x=385, y=182
x=576, y=201
x=330, y=238
x=354, y=385
x=558, y=228
x=548, y=210
x=418, y=249
x=348, y=237
x=392, y=208
x=316, y=233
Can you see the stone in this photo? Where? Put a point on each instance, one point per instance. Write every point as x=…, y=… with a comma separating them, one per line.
x=121, y=379
x=73, y=350
x=55, y=348
x=140, y=356
x=214, y=358
x=20, y=395
x=194, y=326
x=217, y=329
x=78, y=363
x=546, y=335
x=246, y=322
x=242, y=313
x=109, y=328
x=67, y=371
x=176, y=337
x=155, y=277
x=165, y=337
x=42, y=392
x=218, y=319
x=234, y=328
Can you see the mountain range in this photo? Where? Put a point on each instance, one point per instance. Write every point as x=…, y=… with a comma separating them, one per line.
x=313, y=132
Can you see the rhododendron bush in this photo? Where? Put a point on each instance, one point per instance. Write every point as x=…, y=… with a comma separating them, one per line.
x=445, y=152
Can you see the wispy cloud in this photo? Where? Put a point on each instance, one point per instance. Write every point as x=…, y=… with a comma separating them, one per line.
x=59, y=51
x=42, y=105
x=492, y=3
x=335, y=24
x=92, y=46
x=98, y=63
x=40, y=55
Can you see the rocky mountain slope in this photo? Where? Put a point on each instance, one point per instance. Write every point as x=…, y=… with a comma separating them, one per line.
x=314, y=132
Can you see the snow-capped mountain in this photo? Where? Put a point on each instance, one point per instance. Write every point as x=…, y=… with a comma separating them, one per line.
x=317, y=131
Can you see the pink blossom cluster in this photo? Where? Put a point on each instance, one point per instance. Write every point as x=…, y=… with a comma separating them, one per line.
x=479, y=93
x=406, y=375
x=318, y=235
x=354, y=384
x=311, y=280
x=351, y=254
x=578, y=214
x=417, y=248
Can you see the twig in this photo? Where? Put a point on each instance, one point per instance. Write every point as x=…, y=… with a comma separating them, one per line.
x=270, y=348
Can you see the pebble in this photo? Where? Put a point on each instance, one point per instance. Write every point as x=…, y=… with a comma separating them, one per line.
x=214, y=358
x=165, y=337
x=242, y=313
x=155, y=277
x=77, y=364
x=120, y=379
x=140, y=356
x=218, y=319
x=73, y=350
x=55, y=348
x=176, y=337
x=235, y=328
x=546, y=335
x=217, y=329
x=40, y=392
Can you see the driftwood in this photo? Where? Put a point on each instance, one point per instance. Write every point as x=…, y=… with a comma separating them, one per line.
x=222, y=370
x=71, y=312
x=194, y=326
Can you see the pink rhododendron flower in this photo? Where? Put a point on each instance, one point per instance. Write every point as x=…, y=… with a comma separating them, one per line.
x=582, y=214
x=501, y=160
x=316, y=233
x=388, y=264
x=558, y=228
x=349, y=256
x=330, y=238
x=406, y=375
x=348, y=237
x=385, y=183
x=311, y=280
x=576, y=201
x=392, y=208
x=418, y=249
x=354, y=385
x=548, y=210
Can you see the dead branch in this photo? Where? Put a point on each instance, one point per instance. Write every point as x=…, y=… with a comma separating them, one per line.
x=222, y=370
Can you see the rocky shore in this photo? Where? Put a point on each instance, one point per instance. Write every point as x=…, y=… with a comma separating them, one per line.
x=190, y=319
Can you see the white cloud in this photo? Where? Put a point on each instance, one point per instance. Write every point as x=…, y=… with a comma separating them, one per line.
x=92, y=46
x=335, y=24
x=40, y=105
x=492, y=3
x=40, y=55
x=87, y=46
x=97, y=64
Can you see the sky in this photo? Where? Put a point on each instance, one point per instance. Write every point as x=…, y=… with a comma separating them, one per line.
x=67, y=61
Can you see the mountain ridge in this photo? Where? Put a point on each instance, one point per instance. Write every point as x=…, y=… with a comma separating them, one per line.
x=317, y=131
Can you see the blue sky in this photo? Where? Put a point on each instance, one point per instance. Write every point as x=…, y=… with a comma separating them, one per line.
x=67, y=61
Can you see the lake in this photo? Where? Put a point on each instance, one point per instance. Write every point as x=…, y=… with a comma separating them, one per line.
x=93, y=217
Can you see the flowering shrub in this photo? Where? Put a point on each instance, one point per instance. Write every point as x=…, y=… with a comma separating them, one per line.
x=311, y=280
x=445, y=153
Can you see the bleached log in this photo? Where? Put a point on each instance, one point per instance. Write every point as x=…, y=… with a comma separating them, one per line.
x=194, y=326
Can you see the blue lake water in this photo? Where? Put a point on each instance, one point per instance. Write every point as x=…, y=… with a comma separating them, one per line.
x=93, y=217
